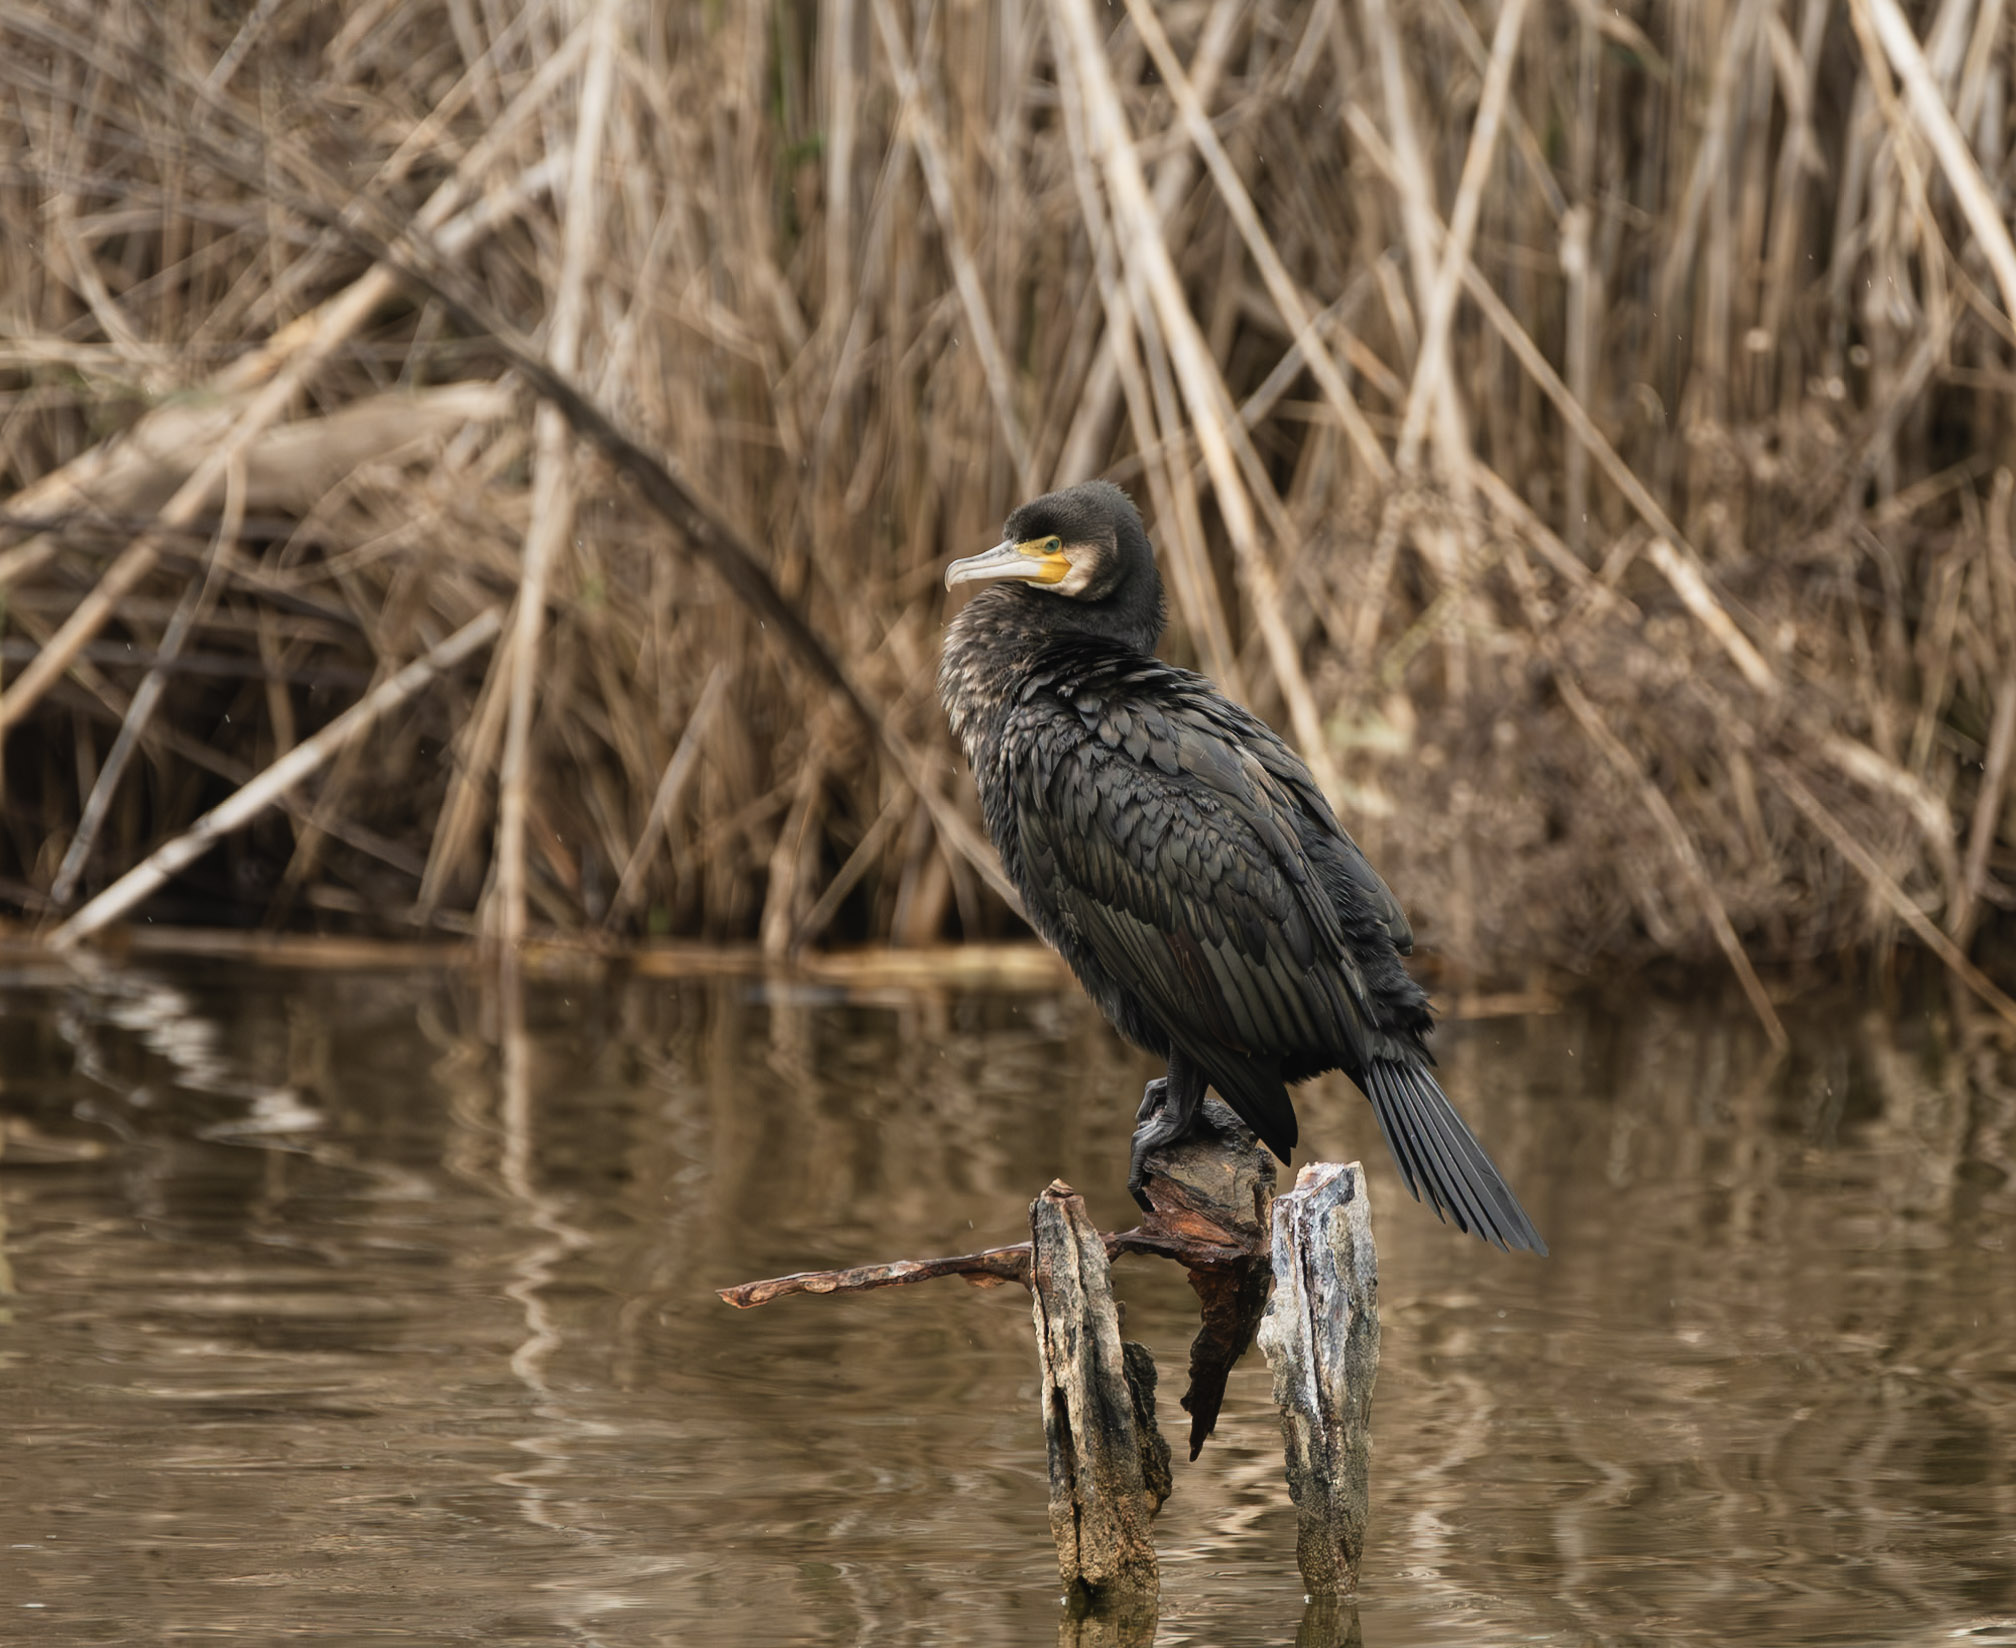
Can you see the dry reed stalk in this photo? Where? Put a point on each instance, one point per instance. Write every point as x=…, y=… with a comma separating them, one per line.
x=91, y=695
x=1965, y=909
x=475, y=748
x=665, y=799
x=1431, y=368
x=1417, y=216
x=848, y=877
x=789, y=867
x=708, y=534
x=1083, y=445
x=1280, y=287
x=1142, y=238
x=1169, y=478
x=195, y=603
x=1679, y=564
x=1928, y=109
x=106, y=476
x=137, y=560
x=552, y=493
x=930, y=146
x=1684, y=850
x=1885, y=887
x=144, y=878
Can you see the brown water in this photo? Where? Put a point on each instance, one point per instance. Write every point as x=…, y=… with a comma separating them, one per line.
x=320, y=1323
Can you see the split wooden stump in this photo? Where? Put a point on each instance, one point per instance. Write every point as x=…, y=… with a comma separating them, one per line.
x=1109, y=1467
x=1321, y=1337
x=1214, y=1212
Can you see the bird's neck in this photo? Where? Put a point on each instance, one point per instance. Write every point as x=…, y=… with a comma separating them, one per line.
x=1016, y=618
x=1005, y=632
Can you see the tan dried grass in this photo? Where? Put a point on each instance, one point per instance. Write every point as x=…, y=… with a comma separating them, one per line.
x=1687, y=632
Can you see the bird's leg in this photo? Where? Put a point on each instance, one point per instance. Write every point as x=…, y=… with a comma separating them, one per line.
x=1168, y=1109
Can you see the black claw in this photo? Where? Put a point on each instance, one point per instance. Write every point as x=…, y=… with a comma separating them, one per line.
x=1148, y=1136
x=1169, y=1106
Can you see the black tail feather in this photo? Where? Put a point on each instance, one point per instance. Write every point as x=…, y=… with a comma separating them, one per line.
x=1440, y=1156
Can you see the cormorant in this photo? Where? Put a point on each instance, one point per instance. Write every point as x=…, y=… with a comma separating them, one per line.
x=1182, y=860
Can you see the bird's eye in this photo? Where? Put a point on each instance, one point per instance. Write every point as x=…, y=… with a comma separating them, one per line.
x=1052, y=545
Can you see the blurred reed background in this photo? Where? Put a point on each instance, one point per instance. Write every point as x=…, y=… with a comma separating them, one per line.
x=1586, y=433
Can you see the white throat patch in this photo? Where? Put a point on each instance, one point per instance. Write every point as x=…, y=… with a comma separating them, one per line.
x=1074, y=581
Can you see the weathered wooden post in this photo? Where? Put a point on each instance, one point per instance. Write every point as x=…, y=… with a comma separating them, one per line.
x=1321, y=1337
x=1109, y=1467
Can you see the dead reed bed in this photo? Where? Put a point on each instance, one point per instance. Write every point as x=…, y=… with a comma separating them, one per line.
x=1587, y=433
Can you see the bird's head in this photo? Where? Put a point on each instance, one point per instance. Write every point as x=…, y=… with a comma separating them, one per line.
x=1085, y=543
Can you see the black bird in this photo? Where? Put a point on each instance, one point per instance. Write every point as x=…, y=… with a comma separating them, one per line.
x=1181, y=858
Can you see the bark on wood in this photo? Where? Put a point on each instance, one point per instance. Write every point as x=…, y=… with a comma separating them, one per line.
x=1214, y=1189
x=1321, y=1337
x=1139, y=1365
x=1099, y=1451
x=989, y=1268
x=1232, y=1299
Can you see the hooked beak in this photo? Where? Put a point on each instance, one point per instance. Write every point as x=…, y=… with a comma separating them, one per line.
x=1007, y=560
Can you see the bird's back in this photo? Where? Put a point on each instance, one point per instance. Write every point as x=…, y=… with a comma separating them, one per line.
x=1182, y=858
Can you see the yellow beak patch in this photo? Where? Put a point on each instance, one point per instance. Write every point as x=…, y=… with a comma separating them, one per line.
x=1054, y=566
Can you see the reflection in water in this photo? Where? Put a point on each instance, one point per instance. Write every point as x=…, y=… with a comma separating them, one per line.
x=1329, y=1622
x=353, y=1306
x=547, y=1489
